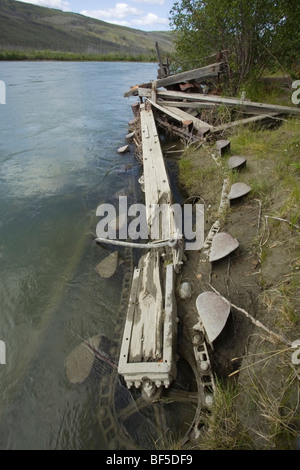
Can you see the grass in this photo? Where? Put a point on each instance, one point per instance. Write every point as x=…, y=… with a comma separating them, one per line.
x=271, y=387
x=222, y=422
x=196, y=169
x=261, y=410
x=268, y=89
x=277, y=174
x=279, y=302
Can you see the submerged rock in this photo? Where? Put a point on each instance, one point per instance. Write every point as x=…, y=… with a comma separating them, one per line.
x=108, y=266
x=79, y=363
x=123, y=149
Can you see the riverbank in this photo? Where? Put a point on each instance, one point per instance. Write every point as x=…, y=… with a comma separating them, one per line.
x=256, y=402
x=44, y=55
x=253, y=355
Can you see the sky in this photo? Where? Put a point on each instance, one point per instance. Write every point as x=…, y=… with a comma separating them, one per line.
x=147, y=15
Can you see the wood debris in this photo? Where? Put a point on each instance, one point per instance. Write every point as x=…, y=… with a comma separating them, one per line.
x=187, y=103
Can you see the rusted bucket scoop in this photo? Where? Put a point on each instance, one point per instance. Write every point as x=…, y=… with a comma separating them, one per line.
x=223, y=244
x=238, y=190
x=213, y=311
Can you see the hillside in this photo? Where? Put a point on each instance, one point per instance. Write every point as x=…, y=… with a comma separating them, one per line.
x=29, y=27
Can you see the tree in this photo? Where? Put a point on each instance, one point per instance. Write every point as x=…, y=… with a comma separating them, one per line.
x=248, y=32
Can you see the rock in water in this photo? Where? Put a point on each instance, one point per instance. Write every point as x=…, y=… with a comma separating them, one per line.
x=123, y=149
x=80, y=362
x=213, y=311
x=108, y=266
x=130, y=135
x=223, y=244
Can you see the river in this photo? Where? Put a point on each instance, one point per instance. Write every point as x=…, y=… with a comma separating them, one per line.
x=60, y=128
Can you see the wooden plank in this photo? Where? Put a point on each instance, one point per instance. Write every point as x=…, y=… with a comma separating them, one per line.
x=153, y=92
x=186, y=104
x=156, y=181
x=146, y=343
x=144, y=92
x=124, y=354
x=166, y=111
x=198, y=124
x=256, y=107
x=203, y=73
x=162, y=324
x=170, y=325
x=241, y=122
x=134, y=90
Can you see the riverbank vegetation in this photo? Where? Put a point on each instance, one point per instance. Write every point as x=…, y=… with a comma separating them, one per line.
x=250, y=35
x=256, y=407
x=40, y=55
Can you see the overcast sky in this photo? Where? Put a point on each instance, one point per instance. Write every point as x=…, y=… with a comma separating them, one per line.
x=148, y=15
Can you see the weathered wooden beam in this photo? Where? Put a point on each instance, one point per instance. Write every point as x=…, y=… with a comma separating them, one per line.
x=167, y=111
x=242, y=122
x=157, y=187
x=198, y=124
x=255, y=106
x=134, y=90
x=203, y=73
x=144, y=92
x=153, y=91
x=160, y=326
x=186, y=104
x=146, y=341
x=163, y=70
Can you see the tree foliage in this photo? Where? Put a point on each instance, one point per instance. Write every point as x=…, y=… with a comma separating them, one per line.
x=252, y=34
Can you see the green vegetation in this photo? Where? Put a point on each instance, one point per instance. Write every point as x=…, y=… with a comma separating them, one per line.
x=252, y=34
x=278, y=152
x=257, y=406
x=71, y=56
x=275, y=158
x=222, y=422
x=38, y=33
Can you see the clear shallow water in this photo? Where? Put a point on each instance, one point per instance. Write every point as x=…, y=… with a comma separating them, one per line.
x=59, y=131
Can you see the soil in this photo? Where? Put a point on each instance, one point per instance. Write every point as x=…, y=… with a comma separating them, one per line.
x=243, y=279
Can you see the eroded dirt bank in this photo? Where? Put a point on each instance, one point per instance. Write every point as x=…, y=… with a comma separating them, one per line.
x=261, y=277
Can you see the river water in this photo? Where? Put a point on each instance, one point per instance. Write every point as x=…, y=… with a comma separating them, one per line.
x=60, y=130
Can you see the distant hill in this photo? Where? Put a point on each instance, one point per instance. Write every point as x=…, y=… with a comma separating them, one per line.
x=30, y=27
